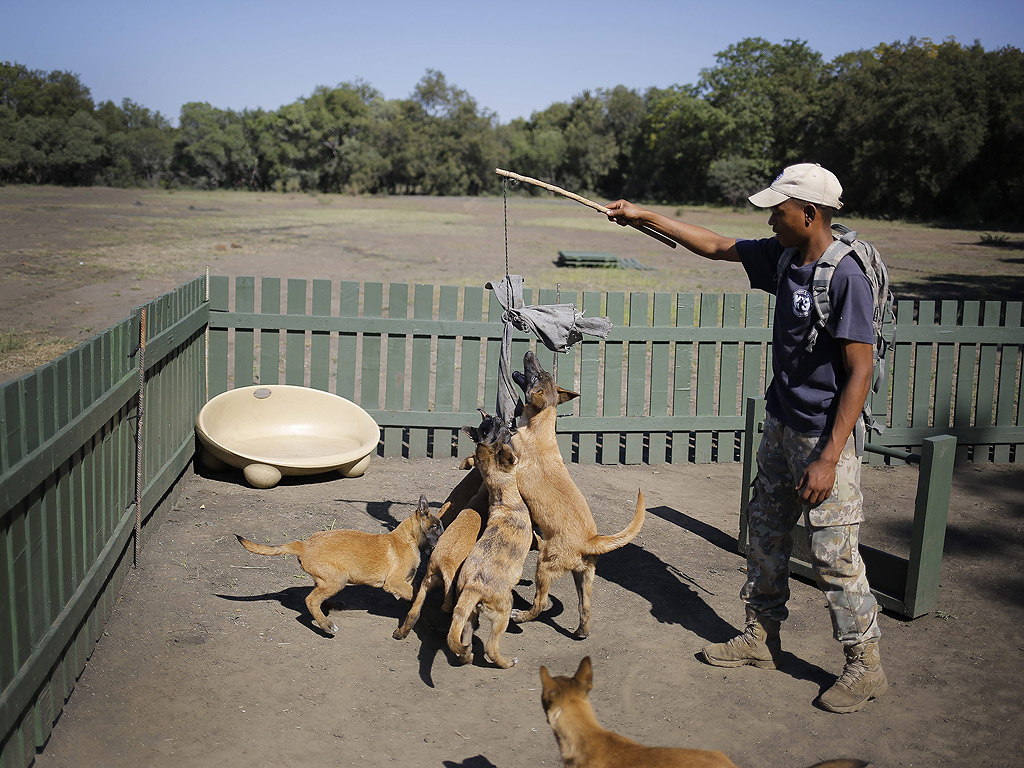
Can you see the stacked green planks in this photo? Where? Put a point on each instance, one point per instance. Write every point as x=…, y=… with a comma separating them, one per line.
x=597, y=259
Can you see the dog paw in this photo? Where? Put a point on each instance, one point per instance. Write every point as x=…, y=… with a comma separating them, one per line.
x=330, y=628
x=581, y=633
x=398, y=634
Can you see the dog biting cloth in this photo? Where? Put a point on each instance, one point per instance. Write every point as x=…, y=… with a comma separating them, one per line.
x=558, y=326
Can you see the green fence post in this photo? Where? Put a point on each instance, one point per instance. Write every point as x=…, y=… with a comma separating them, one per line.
x=931, y=510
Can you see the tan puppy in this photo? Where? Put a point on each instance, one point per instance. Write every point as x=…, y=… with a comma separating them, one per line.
x=583, y=743
x=337, y=558
x=495, y=564
x=570, y=542
x=449, y=553
x=464, y=492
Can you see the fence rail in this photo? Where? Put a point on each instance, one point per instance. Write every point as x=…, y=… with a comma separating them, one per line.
x=668, y=385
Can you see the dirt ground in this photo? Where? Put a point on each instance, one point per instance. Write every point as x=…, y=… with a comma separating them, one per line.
x=210, y=657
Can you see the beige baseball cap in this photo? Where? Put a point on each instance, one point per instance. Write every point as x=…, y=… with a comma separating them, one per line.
x=804, y=181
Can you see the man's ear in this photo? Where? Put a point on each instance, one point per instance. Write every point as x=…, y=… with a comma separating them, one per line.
x=810, y=214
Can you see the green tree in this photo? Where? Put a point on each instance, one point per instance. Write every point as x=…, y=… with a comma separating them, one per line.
x=681, y=136
x=772, y=95
x=211, y=150
x=139, y=144
x=908, y=120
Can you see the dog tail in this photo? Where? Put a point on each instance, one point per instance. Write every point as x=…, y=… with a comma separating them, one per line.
x=291, y=548
x=599, y=545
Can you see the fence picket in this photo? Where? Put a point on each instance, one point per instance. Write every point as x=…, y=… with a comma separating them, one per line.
x=612, y=400
x=589, y=382
x=373, y=306
x=419, y=383
x=729, y=377
x=218, y=366
x=682, y=378
x=967, y=355
x=636, y=378
x=921, y=399
x=394, y=379
x=320, y=344
x=469, y=374
x=347, y=341
x=987, y=359
x=1009, y=365
x=659, y=388
x=245, y=338
x=945, y=357
x=270, y=340
x=445, y=366
x=295, y=341
x=706, y=378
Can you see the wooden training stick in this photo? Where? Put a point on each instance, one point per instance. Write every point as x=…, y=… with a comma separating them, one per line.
x=589, y=203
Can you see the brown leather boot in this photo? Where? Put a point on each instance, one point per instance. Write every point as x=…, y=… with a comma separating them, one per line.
x=758, y=645
x=862, y=680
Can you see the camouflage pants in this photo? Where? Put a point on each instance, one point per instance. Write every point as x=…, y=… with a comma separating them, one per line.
x=833, y=529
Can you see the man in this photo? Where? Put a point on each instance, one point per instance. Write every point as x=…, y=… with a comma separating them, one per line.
x=807, y=464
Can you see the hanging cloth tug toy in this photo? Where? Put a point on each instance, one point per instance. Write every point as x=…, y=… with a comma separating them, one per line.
x=558, y=326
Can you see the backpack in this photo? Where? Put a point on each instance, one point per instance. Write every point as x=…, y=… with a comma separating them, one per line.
x=845, y=243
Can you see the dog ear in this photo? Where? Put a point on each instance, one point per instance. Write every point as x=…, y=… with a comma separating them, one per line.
x=545, y=679
x=423, y=507
x=506, y=457
x=565, y=395
x=473, y=432
x=585, y=674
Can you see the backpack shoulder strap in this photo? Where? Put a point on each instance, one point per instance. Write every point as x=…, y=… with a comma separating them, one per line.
x=824, y=269
x=784, y=261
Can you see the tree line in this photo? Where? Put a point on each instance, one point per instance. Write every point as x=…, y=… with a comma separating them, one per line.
x=916, y=130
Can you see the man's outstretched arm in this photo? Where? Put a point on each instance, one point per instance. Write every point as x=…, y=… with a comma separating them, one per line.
x=701, y=241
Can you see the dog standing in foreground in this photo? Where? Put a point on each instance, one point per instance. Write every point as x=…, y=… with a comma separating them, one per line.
x=495, y=564
x=583, y=743
x=571, y=542
x=337, y=558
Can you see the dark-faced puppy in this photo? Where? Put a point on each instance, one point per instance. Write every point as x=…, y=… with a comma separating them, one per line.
x=337, y=558
x=447, y=557
x=583, y=743
x=495, y=564
x=570, y=542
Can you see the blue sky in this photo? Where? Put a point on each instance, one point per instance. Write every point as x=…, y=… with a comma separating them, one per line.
x=513, y=58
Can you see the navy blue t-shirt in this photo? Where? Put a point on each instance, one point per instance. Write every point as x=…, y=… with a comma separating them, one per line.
x=805, y=384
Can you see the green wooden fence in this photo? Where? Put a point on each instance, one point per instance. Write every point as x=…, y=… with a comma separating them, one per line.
x=668, y=385
x=68, y=495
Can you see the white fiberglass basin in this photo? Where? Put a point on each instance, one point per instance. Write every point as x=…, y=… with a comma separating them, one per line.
x=279, y=429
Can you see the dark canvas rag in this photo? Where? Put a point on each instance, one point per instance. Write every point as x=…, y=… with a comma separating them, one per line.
x=558, y=326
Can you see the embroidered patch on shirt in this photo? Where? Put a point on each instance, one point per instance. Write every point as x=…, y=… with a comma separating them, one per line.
x=801, y=302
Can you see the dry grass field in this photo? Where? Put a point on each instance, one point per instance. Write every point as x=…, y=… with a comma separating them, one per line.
x=74, y=261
